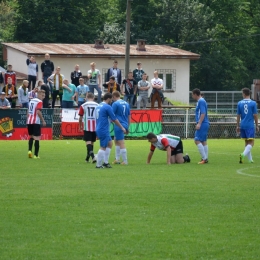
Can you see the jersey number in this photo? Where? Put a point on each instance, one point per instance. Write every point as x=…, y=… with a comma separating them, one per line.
x=31, y=108
x=245, y=109
x=124, y=109
x=91, y=111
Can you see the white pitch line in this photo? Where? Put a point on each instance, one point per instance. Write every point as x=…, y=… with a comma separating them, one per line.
x=240, y=171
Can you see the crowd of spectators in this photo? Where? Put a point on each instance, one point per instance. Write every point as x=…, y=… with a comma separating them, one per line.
x=133, y=89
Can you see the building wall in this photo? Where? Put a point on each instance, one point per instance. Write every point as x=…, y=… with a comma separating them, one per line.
x=182, y=67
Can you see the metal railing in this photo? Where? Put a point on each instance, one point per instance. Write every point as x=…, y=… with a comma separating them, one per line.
x=220, y=100
x=181, y=122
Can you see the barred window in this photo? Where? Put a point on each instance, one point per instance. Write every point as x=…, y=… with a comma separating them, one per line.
x=169, y=79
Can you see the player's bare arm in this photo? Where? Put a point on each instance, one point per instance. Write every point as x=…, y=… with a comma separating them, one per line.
x=256, y=122
x=119, y=125
x=150, y=155
x=39, y=113
x=80, y=124
x=169, y=153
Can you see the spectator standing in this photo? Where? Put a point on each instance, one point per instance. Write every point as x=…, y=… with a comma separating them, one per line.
x=87, y=112
x=143, y=87
x=10, y=73
x=157, y=85
x=46, y=88
x=56, y=80
x=247, y=113
x=94, y=80
x=47, y=68
x=75, y=75
x=137, y=74
x=115, y=72
x=10, y=92
x=23, y=95
x=128, y=89
x=104, y=114
x=4, y=103
x=69, y=93
x=32, y=72
x=81, y=92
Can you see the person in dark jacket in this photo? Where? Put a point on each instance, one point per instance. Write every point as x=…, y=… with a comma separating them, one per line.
x=75, y=75
x=47, y=68
x=45, y=87
x=114, y=71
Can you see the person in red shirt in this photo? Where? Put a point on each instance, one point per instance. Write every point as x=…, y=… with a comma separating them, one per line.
x=10, y=73
x=34, y=119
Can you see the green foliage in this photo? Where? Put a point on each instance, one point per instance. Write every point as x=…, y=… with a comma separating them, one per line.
x=59, y=207
x=64, y=21
x=224, y=32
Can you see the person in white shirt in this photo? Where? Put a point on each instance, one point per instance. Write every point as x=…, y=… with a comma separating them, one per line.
x=94, y=80
x=157, y=85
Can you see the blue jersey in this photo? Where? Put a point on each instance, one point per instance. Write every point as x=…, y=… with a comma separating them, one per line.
x=104, y=114
x=201, y=108
x=246, y=108
x=122, y=112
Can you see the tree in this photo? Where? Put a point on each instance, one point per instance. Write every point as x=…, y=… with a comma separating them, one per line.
x=64, y=21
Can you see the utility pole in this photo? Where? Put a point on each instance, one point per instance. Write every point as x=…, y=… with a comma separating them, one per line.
x=127, y=37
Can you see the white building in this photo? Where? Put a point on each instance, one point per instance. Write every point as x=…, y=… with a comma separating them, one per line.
x=173, y=64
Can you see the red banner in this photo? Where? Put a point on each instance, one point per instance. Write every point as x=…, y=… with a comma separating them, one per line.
x=70, y=122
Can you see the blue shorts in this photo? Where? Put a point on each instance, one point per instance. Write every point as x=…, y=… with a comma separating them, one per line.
x=247, y=134
x=104, y=140
x=119, y=134
x=202, y=134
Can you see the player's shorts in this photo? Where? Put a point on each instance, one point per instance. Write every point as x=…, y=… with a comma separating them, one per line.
x=89, y=136
x=202, y=134
x=119, y=134
x=247, y=134
x=34, y=129
x=104, y=140
x=178, y=149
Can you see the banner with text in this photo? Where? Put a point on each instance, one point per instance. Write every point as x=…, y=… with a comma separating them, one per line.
x=13, y=124
x=142, y=122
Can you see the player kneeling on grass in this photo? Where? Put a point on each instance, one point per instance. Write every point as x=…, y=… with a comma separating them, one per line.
x=172, y=144
x=34, y=119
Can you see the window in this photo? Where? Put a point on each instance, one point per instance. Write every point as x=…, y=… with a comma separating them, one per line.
x=169, y=79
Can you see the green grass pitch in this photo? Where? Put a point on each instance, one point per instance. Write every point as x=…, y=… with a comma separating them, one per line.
x=59, y=207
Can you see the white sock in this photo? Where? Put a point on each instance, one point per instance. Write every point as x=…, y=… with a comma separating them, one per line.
x=206, y=150
x=249, y=156
x=247, y=149
x=107, y=154
x=123, y=153
x=100, y=157
x=201, y=150
x=118, y=153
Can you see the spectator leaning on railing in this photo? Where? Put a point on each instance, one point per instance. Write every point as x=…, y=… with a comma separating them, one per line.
x=4, y=103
